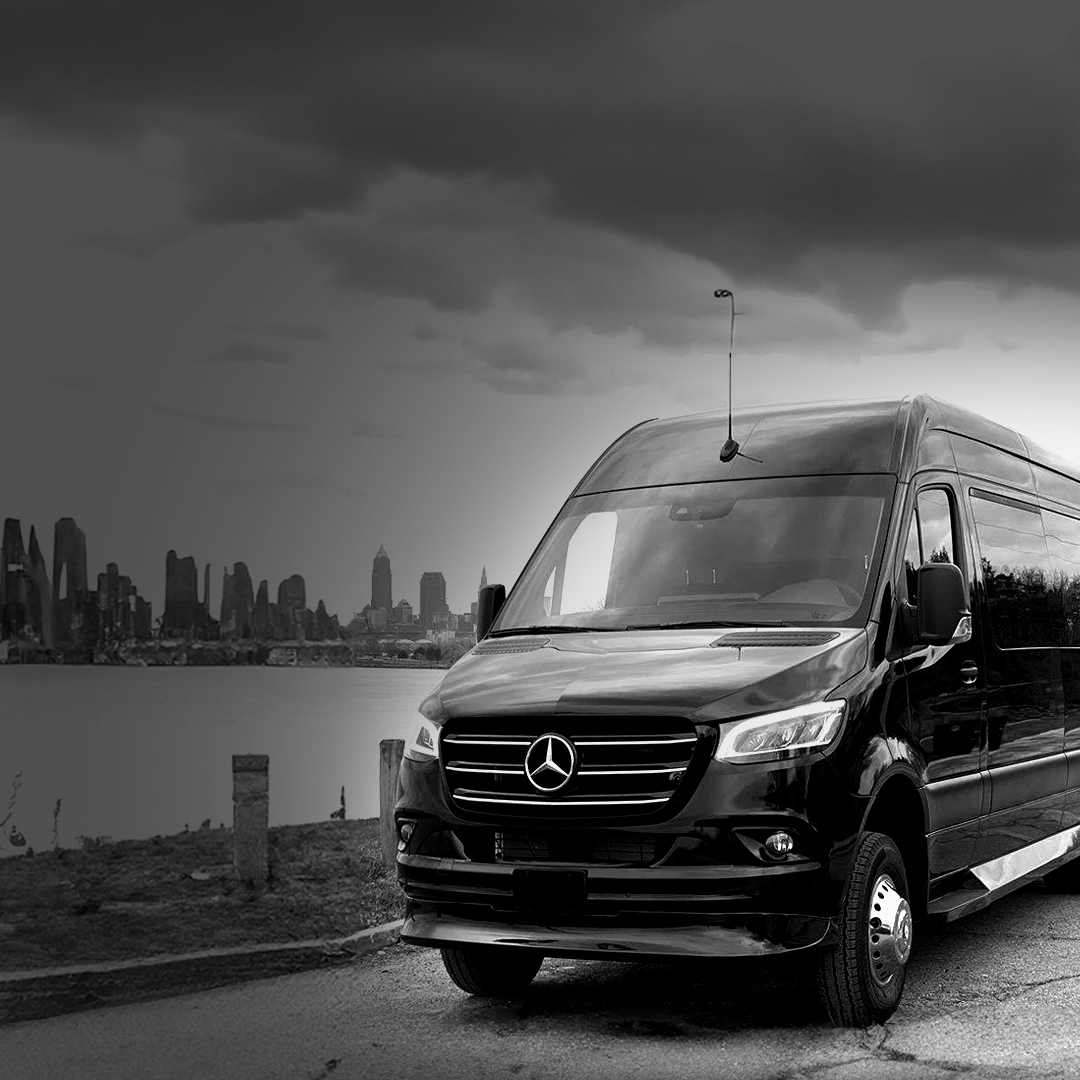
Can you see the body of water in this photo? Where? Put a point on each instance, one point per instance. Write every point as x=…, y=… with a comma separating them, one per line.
x=134, y=752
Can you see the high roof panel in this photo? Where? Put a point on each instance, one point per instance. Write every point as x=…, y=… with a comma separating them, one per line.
x=796, y=440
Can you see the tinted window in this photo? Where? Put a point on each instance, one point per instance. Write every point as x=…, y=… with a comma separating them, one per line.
x=935, y=525
x=931, y=536
x=1025, y=609
x=1063, y=544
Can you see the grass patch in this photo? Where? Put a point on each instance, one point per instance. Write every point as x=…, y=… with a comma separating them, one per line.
x=176, y=894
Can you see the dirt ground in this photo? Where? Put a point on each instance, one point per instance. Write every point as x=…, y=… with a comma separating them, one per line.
x=175, y=894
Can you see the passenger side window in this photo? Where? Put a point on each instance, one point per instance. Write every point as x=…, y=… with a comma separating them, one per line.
x=932, y=537
x=1026, y=609
x=1063, y=546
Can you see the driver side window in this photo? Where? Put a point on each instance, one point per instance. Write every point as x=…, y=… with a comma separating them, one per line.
x=932, y=536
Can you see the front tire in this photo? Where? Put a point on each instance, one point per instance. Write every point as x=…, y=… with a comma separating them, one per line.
x=492, y=970
x=860, y=980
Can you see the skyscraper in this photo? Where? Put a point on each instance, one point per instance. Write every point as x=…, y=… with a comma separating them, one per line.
x=381, y=593
x=432, y=597
x=474, y=607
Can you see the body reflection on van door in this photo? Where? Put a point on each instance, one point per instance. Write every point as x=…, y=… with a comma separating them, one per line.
x=1025, y=707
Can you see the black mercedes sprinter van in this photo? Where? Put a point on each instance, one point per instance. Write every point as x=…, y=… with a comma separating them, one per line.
x=791, y=701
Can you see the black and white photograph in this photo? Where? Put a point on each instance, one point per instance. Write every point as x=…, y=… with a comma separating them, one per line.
x=539, y=540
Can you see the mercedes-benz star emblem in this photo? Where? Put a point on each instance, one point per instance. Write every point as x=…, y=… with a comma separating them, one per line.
x=550, y=763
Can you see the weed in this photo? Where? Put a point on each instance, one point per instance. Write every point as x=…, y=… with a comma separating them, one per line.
x=15, y=785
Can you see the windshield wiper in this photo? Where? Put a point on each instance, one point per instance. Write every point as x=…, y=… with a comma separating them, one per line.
x=702, y=624
x=553, y=630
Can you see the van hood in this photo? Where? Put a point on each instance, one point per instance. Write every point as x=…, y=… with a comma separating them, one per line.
x=703, y=675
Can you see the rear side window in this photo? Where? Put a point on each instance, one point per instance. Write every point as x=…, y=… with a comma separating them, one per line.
x=1063, y=545
x=1025, y=609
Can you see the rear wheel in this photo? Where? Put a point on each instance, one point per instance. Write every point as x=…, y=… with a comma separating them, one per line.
x=861, y=979
x=492, y=970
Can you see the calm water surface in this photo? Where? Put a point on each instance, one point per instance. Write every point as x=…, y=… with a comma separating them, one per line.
x=133, y=752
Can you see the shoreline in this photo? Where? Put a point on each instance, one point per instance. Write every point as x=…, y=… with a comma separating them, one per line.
x=323, y=654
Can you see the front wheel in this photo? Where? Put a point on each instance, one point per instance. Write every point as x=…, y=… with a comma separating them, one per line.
x=861, y=979
x=492, y=970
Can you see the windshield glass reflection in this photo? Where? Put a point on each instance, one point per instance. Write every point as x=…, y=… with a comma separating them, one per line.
x=792, y=551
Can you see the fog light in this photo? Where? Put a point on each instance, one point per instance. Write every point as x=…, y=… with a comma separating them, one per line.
x=778, y=845
x=405, y=830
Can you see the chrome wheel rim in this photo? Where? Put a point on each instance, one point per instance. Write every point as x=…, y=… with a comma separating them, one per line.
x=888, y=931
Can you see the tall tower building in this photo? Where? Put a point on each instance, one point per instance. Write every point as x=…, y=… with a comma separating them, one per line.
x=381, y=593
x=475, y=606
x=432, y=597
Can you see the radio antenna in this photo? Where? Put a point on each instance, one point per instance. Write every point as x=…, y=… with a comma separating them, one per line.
x=731, y=447
x=730, y=450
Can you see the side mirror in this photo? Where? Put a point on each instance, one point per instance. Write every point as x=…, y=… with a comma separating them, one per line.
x=489, y=602
x=941, y=603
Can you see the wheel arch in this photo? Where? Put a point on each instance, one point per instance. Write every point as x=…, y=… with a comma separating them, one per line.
x=897, y=808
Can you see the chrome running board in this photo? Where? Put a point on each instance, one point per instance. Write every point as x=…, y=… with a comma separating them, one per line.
x=998, y=877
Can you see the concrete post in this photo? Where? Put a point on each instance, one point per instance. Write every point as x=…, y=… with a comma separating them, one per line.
x=251, y=817
x=390, y=751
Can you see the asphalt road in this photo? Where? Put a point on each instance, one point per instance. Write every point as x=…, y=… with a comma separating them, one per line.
x=994, y=995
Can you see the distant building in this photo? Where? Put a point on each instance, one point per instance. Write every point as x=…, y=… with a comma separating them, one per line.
x=381, y=593
x=403, y=613
x=475, y=605
x=432, y=598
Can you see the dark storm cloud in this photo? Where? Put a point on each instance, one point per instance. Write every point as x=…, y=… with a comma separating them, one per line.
x=517, y=367
x=233, y=423
x=372, y=429
x=242, y=352
x=288, y=331
x=133, y=245
x=299, y=481
x=82, y=383
x=86, y=385
x=423, y=332
x=845, y=150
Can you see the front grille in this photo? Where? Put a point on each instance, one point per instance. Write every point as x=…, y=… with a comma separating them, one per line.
x=624, y=765
x=594, y=846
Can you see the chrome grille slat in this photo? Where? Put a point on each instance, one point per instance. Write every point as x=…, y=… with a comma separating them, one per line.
x=493, y=770
x=624, y=764
x=560, y=804
x=634, y=742
x=459, y=740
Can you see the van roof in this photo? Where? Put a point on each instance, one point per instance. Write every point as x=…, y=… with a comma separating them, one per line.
x=814, y=439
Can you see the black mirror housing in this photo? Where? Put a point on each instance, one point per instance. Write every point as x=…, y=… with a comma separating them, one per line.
x=941, y=603
x=488, y=605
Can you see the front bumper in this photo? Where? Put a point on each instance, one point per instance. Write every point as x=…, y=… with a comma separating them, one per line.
x=729, y=935
x=613, y=912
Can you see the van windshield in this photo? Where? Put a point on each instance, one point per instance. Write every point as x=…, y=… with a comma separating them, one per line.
x=785, y=551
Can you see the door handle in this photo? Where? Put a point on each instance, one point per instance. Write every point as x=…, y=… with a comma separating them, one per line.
x=969, y=672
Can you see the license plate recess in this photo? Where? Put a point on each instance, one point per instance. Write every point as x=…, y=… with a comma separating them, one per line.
x=550, y=890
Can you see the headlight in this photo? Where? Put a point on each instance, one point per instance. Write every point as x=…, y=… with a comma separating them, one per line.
x=781, y=734
x=424, y=744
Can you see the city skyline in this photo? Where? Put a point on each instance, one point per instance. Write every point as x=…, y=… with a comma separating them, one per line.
x=56, y=606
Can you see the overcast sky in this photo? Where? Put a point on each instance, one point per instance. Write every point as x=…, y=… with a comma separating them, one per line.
x=282, y=283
